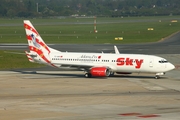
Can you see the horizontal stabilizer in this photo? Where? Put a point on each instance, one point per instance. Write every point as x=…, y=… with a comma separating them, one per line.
x=29, y=56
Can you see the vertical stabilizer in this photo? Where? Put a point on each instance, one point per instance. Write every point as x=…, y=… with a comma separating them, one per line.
x=33, y=37
x=39, y=51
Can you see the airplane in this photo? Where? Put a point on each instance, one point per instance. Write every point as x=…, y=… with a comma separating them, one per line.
x=93, y=64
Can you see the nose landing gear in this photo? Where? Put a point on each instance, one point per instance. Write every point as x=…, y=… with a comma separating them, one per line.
x=158, y=75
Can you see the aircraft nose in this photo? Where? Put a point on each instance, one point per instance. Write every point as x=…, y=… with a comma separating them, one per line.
x=171, y=66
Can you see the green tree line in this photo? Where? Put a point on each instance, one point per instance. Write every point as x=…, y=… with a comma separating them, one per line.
x=111, y=8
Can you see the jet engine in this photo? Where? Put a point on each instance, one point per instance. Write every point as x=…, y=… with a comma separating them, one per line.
x=98, y=72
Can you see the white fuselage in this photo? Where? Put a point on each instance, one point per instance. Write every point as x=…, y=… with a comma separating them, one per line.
x=116, y=62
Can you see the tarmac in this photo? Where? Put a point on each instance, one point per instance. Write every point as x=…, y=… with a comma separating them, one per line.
x=67, y=95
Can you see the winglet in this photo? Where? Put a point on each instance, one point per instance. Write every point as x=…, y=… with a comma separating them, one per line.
x=116, y=50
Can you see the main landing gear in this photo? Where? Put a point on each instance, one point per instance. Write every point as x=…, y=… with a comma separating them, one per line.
x=88, y=75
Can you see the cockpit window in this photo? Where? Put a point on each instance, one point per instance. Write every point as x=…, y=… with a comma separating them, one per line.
x=163, y=61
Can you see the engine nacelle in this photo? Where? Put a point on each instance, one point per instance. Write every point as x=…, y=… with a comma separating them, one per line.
x=99, y=72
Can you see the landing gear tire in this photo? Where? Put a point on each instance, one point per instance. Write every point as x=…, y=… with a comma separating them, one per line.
x=87, y=75
x=157, y=77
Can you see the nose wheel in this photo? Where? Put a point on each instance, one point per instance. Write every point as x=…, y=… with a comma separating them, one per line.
x=157, y=77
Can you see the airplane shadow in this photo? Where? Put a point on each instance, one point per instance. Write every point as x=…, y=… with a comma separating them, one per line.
x=137, y=76
x=50, y=74
x=75, y=75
